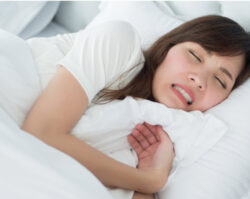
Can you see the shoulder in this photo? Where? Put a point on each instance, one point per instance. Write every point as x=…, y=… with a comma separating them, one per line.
x=118, y=41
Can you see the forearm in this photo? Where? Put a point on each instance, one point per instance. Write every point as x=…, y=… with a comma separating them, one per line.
x=109, y=171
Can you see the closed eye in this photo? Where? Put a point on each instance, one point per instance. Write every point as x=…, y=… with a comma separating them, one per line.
x=192, y=53
x=221, y=83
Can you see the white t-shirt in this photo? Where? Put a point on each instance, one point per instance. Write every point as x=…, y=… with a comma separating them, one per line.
x=95, y=56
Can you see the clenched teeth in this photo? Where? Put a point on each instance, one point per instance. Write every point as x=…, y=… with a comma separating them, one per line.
x=184, y=94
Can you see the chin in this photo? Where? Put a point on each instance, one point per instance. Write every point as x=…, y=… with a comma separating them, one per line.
x=171, y=104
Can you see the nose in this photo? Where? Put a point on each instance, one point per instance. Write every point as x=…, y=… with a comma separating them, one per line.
x=198, y=80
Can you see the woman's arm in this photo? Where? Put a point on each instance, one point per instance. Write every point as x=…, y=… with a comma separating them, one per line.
x=138, y=195
x=57, y=111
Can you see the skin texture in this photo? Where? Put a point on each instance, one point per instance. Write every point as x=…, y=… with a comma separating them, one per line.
x=191, y=66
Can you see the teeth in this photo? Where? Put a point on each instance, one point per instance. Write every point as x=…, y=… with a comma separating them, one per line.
x=184, y=94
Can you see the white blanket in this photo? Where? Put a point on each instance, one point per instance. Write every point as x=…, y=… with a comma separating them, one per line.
x=30, y=168
x=107, y=126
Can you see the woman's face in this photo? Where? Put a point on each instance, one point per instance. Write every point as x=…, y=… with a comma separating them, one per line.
x=190, y=78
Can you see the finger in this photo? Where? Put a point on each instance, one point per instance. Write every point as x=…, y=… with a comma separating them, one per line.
x=135, y=145
x=147, y=133
x=160, y=133
x=138, y=135
x=152, y=130
x=151, y=126
x=163, y=136
x=155, y=131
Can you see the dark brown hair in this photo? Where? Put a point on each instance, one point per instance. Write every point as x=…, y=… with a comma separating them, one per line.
x=214, y=33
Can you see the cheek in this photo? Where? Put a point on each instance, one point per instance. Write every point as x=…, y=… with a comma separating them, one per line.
x=211, y=99
x=171, y=69
x=174, y=63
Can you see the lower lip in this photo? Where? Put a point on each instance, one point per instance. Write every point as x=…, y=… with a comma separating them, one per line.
x=179, y=95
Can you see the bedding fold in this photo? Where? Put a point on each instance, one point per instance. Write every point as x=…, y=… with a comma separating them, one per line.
x=107, y=126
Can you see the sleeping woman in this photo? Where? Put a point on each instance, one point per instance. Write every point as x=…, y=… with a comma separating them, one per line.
x=193, y=67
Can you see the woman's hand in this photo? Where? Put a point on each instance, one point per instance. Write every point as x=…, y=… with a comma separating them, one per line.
x=154, y=149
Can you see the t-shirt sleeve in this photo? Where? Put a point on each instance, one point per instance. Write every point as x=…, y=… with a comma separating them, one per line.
x=101, y=54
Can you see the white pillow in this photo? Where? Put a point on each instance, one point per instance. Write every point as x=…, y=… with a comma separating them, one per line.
x=26, y=18
x=19, y=80
x=236, y=10
x=223, y=172
x=145, y=17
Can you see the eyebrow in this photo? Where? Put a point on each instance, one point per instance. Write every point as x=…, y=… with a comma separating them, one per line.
x=226, y=72
x=222, y=69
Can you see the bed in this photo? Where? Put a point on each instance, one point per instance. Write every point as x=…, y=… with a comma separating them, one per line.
x=31, y=168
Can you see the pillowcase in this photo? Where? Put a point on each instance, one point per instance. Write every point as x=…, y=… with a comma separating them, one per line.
x=223, y=172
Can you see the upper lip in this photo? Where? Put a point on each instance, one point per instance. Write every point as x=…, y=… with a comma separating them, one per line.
x=187, y=90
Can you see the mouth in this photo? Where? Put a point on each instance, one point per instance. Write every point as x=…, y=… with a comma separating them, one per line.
x=185, y=95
